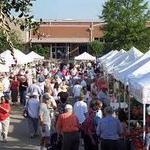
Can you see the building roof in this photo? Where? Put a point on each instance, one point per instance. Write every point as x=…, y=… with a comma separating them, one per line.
x=60, y=40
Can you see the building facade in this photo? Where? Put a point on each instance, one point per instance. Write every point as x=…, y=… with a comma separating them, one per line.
x=67, y=38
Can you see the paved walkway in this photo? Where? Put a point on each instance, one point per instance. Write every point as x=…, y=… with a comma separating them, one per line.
x=18, y=138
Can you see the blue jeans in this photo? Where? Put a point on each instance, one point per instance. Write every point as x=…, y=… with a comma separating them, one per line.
x=33, y=125
x=23, y=97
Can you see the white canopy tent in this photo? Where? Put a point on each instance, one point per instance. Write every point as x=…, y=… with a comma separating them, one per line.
x=4, y=68
x=133, y=55
x=20, y=57
x=107, y=55
x=144, y=69
x=139, y=87
x=85, y=56
x=33, y=55
x=110, y=57
x=122, y=55
x=123, y=74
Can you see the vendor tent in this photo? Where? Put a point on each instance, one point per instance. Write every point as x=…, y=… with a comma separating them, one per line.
x=122, y=55
x=107, y=55
x=144, y=69
x=4, y=68
x=139, y=87
x=35, y=56
x=19, y=56
x=110, y=57
x=122, y=75
x=133, y=55
x=85, y=56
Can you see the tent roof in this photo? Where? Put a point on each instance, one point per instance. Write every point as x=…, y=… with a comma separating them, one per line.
x=20, y=57
x=139, y=87
x=123, y=74
x=113, y=57
x=85, y=56
x=34, y=55
x=108, y=54
x=4, y=68
x=134, y=53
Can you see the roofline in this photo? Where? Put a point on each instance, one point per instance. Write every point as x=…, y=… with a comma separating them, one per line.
x=71, y=20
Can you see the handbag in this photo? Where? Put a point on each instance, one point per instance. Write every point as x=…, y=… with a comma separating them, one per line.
x=25, y=112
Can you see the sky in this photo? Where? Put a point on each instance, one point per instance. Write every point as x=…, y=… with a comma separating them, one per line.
x=67, y=9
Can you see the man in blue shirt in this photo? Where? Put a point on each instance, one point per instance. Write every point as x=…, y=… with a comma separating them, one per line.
x=109, y=130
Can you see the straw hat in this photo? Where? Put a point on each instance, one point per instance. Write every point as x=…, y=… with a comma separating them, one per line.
x=23, y=79
x=64, y=89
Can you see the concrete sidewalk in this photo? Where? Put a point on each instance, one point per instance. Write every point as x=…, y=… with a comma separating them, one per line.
x=18, y=137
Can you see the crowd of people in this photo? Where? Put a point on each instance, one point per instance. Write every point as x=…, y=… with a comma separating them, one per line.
x=67, y=105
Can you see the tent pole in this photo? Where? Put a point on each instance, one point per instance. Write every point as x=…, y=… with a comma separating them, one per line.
x=129, y=109
x=108, y=82
x=124, y=94
x=144, y=121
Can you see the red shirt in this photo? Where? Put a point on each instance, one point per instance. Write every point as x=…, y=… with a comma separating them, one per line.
x=67, y=122
x=14, y=85
x=100, y=83
x=3, y=114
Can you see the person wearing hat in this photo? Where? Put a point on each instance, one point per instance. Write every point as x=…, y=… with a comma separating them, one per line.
x=68, y=125
x=23, y=89
x=45, y=121
x=32, y=108
x=4, y=117
x=63, y=94
x=109, y=130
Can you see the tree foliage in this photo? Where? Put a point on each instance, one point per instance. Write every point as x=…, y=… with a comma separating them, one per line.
x=38, y=48
x=18, y=13
x=15, y=39
x=96, y=47
x=126, y=24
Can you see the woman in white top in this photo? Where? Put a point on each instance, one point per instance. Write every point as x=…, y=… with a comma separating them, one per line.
x=56, y=90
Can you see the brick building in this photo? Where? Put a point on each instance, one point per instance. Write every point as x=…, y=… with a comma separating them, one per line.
x=66, y=38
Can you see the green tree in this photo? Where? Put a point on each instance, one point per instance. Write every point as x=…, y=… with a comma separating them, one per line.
x=18, y=13
x=44, y=51
x=96, y=47
x=15, y=39
x=126, y=24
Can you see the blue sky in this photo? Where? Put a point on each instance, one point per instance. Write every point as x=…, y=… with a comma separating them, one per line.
x=67, y=9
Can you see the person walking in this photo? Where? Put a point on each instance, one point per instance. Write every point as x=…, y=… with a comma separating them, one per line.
x=32, y=107
x=14, y=88
x=109, y=130
x=45, y=121
x=68, y=125
x=81, y=109
x=4, y=117
x=23, y=89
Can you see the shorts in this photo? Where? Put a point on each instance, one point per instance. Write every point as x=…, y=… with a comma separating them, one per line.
x=45, y=130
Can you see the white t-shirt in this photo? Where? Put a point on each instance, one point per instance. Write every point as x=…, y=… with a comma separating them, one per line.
x=77, y=90
x=6, y=84
x=45, y=113
x=80, y=109
x=83, y=83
